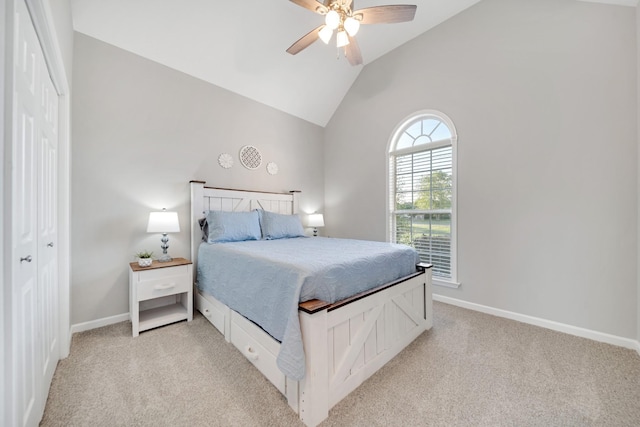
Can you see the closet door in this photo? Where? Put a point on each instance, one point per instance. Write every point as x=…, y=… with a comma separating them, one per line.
x=47, y=172
x=34, y=320
x=25, y=322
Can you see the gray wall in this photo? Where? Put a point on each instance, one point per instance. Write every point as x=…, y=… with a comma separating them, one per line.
x=63, y=27
x=141, y=131
x=638, y=108
x=543, y=96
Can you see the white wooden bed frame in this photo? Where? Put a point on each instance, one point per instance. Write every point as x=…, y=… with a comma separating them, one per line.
x=344, y=343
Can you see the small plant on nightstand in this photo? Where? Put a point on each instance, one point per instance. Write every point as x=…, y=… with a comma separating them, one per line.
x=144, y=258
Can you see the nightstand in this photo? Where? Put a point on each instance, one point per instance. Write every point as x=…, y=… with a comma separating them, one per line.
x=160, y=294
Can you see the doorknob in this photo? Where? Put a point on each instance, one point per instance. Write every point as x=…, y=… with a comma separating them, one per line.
x=50, y=244
x=27, y=258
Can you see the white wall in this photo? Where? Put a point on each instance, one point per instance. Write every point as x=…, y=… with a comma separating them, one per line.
x=141, y=131
x=4, y=192
x=543, y=96
x=638, y=109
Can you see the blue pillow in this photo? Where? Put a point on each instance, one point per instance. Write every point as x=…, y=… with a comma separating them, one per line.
x=233, y=226
x=278, y=226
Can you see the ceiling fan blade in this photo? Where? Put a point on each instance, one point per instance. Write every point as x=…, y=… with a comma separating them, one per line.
x=352, y=52
x=305, y=41
x=387, y=14
x=312, y=5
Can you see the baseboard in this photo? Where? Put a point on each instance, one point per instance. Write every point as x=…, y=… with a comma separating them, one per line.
x=548, y=324
x=98, y=323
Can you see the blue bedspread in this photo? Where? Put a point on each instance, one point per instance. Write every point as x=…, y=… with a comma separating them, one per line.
x=265, y=280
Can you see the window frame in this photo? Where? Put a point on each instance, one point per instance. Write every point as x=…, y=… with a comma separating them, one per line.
x=392, y=153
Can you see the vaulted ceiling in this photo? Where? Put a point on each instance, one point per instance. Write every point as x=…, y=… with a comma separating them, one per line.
x=240, y=44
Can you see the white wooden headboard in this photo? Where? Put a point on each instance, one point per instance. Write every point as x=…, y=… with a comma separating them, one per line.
x=205, y=199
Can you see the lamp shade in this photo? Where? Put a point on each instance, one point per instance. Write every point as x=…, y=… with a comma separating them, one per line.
x=342, y=39
x=332, y=19
x=325, y=34
x=315, y=220
x=163, y=222
x=351, y=25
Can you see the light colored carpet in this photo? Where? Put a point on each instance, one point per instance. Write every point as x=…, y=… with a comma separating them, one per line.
x=471, y=369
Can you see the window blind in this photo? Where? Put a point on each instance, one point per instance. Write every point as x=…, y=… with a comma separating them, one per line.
x=422, y=211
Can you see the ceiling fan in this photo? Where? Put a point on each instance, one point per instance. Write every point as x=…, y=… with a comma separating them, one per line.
x=340, y=16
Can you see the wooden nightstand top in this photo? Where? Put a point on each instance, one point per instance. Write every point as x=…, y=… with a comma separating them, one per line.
x=155, y=264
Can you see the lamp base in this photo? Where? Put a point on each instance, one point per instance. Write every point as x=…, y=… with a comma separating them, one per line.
x=165, y=245
x=165, y=258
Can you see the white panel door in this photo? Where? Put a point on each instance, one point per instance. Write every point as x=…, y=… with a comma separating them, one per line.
x=47, y=226
x=34, y=320
x=25, y=319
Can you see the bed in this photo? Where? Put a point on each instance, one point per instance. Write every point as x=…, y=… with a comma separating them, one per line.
x=343, y=342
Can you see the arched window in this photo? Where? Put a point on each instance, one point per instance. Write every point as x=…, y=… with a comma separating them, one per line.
x=422, y=190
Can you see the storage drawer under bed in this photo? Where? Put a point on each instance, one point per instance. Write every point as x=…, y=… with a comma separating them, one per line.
x=260, y=349
x=214, y=311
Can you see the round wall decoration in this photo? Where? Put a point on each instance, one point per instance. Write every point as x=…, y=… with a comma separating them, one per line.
x=225, y=160
x=272, y=168
x=250, y=157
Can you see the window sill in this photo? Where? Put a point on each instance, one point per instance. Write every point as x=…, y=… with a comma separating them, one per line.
x=445, y=283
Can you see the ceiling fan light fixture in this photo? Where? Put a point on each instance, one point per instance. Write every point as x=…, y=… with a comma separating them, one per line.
x=325, y=34
x=342, y=38
x=351, y=25
x=341, y=17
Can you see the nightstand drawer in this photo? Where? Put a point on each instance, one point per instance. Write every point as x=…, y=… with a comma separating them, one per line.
x=162, y=282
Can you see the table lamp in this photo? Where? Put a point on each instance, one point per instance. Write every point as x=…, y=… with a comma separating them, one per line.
x=163, y=222
x=315, y=221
